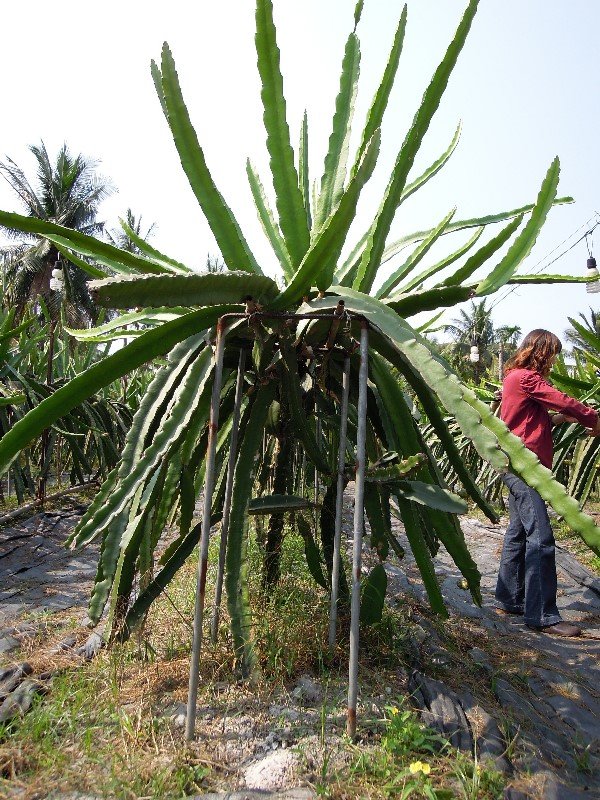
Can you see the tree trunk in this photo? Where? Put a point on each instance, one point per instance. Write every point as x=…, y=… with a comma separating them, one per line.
x=281, y=482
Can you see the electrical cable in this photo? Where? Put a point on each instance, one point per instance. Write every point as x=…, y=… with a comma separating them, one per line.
x=546, y=264
x=542, y=261
x=564, y=241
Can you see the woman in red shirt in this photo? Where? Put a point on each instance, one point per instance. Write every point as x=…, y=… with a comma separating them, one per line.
x=527, y=576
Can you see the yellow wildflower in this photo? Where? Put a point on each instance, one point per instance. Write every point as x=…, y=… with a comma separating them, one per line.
x=393, y=711
x=420, y=766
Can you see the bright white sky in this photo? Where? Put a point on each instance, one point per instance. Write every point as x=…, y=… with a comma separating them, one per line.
x=525, y=87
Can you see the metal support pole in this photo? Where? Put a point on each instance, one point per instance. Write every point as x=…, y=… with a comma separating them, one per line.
x=359, y=499
x=318, y=437
x=209, y=483
x=233, y=442
x=339, y=503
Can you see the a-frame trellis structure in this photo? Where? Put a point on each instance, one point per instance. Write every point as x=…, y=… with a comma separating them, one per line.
x=253, y=315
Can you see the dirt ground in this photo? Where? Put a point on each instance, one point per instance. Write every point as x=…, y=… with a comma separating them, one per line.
x=542, y=689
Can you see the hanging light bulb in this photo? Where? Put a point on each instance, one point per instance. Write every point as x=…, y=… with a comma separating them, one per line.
x=593, y=277
x=593, y=283
x=58, y=278
x=474, y=354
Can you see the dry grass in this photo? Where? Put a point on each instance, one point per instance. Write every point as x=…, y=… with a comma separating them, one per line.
x=110, y=727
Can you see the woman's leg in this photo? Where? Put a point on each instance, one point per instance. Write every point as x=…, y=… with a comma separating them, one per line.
x=540, y=566
x=510, y=588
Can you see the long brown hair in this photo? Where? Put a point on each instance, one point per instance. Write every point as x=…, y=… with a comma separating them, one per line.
x=536, y=352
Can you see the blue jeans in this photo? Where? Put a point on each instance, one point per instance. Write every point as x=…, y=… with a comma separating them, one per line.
x=527, y=575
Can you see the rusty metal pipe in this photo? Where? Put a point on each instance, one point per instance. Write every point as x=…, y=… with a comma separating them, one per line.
x=359, y=499
x=289, y=315
x=318, y=431
x=339, y=502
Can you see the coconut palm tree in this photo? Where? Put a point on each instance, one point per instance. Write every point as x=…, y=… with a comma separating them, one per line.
x=127, y=237
x=592, y=325
x=67, y=192
x=472, y=329
x=505, y=343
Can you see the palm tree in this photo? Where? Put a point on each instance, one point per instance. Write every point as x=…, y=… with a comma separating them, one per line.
x=129, y=237
x=473, y=329
x=67, y=192
x=506, y=337
x=120, y=237
x=214, y=264
x=575, y=337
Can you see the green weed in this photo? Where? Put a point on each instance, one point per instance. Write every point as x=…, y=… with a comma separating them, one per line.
x=80, y=736
x=475, y=780
x=582, y=753
x=405, y=733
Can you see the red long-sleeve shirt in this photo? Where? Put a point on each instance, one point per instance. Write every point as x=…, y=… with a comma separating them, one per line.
x=526, y=396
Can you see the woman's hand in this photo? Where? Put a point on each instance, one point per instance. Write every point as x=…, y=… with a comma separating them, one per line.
x=596, y=430
x=559, y=419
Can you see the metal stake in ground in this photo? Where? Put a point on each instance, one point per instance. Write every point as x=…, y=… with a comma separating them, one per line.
x=214, y=626
x=339, y=503
x=209, y=482
x=359, y=499
x=318, y=435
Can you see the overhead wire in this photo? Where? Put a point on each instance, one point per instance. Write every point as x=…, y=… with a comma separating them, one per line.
x=543, y=261
x=564, y=241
